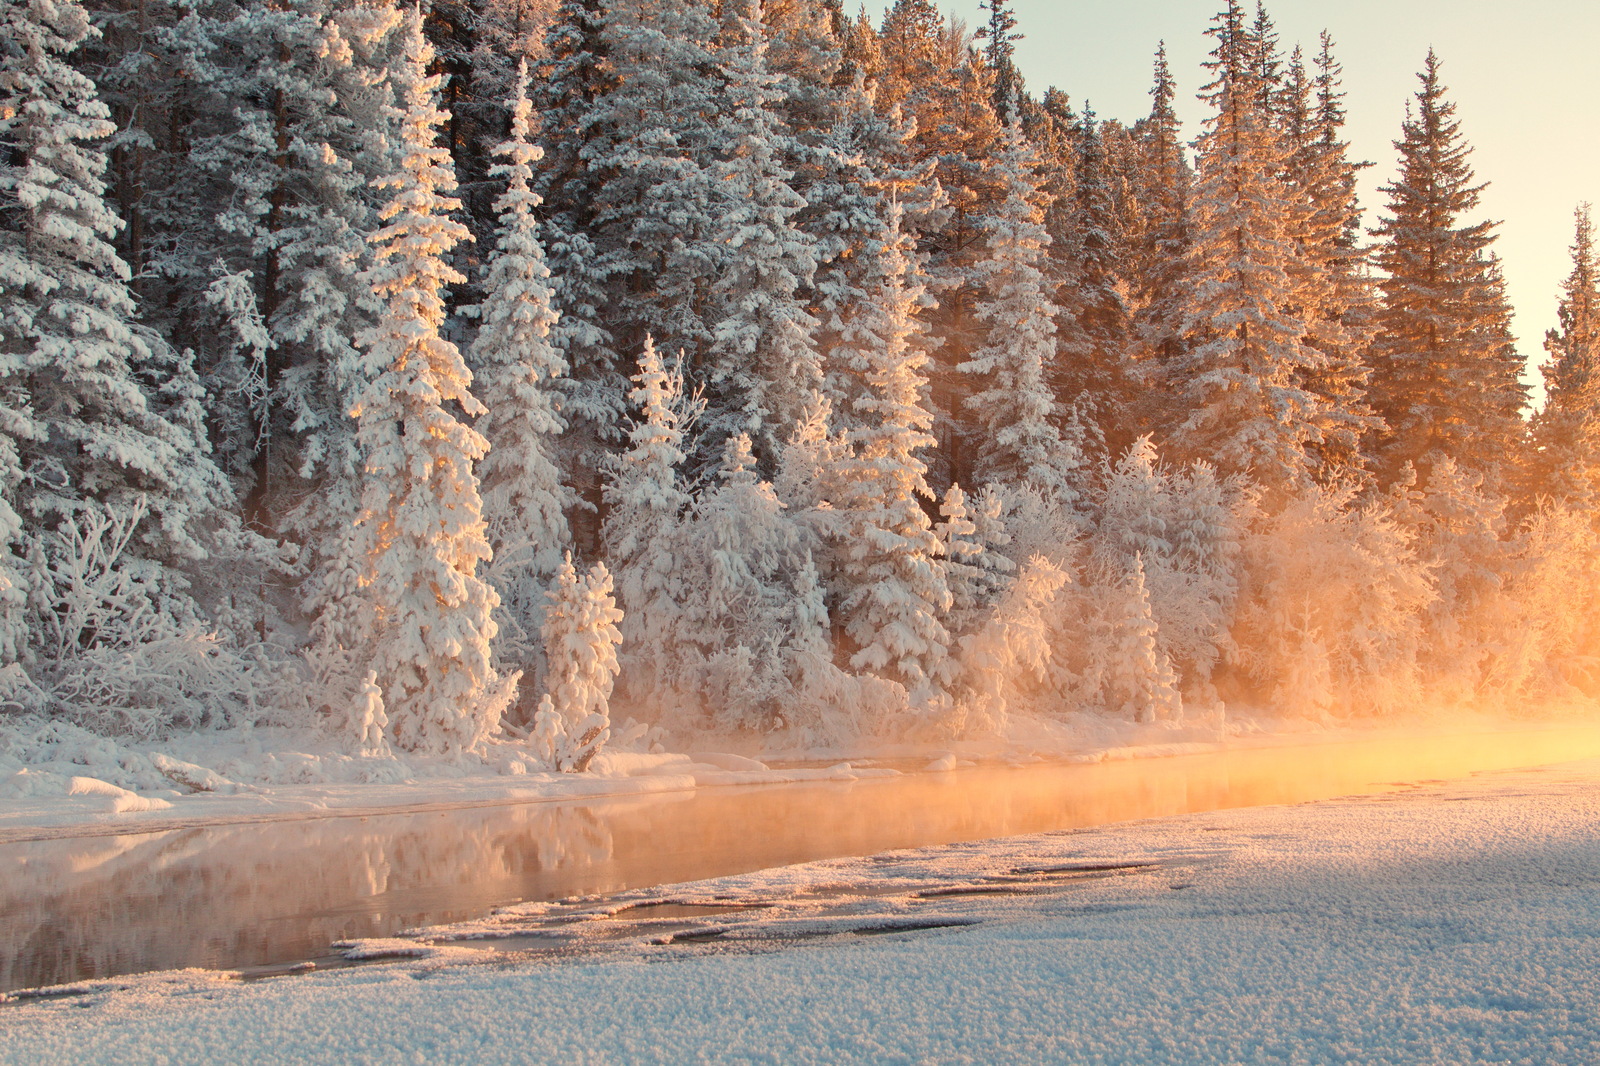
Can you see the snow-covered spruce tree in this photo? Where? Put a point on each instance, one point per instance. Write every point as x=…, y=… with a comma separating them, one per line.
x=86, y=424
x=1567, y=431
x=1245, y=406
x=1133, y=511
x=515, y=368
x=243, y=421
x=297, y=125
x=946, y=89
x=1158, y=252
x=736, y=563
x=763, y=359
x=573, y=74
x=651, y=134
x=1092, y=374
x=1136, y=678
x=645, y=513
x=1445, y=370
x=847, y=216
x=976, y=574
x=580, y=638
x=1335, y=296
x=1011, y=398
x=892, y=578
x=421, y=526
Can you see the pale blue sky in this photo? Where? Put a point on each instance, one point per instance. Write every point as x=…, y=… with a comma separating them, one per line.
x=1525, y=77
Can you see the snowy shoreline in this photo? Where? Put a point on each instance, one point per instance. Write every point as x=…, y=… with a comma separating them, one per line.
x=1358, y=929
x=62, y=799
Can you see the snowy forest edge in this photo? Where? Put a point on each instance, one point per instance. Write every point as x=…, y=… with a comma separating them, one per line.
x=459, y=381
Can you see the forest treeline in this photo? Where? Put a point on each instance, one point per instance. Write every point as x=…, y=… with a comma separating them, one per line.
x=419, y=374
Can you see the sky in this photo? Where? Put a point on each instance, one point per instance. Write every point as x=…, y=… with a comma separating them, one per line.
x=1521, y=74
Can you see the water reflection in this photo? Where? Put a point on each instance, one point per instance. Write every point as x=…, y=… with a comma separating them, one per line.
x=267, y=893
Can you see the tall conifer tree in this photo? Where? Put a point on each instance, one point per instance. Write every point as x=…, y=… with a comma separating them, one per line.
x=1241, y=377
x=763, y=361
x=1445, y=373
x=1567, y=430
x=421, y=527
x=1335, y=296
x=82, y=428
x=1018, y=441
x=517, y=368
x=895, y=593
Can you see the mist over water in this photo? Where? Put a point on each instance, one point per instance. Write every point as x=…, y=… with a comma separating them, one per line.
x=271, y=893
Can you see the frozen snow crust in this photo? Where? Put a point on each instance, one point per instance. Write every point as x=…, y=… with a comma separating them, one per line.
x=1452, y=923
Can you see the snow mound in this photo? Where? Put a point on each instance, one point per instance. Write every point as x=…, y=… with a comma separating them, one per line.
x=93, y=794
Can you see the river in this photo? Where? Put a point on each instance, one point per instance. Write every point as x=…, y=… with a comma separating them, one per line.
x=266, y=894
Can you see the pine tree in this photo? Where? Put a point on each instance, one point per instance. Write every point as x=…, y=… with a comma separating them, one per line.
x=298, y=134
x=628, y=96
x=574, y=74
x=847, y=218
x=648, y=156
x=1158, y=252
x=294, y=127
x=646, y=505
x=1567, y=431
x=82, y=426
x=1137, y=679
x=1093, y=374
x=1243, y=371
x=946, y=89
x=1012, y=401
x=1000, y=50
x=1335, y=295
x=580, y=637
x=517, y=368
x=1445, y=375
x=893, y=580
x=421, y=525
x=763, y=357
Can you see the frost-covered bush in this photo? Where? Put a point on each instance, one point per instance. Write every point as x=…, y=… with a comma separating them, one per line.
x=1008, y=657
x=1459, y=531
x=738, y=552
x=826, y=705
x=1330, y=614
x=1182, y=527
x=114, y=646
x=1549, y=630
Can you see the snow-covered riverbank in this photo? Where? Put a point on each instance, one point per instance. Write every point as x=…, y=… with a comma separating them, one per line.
x=1451, y=922
x=61, y=781
x=58, y=780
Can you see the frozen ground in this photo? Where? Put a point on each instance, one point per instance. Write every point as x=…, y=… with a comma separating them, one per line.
x=1449, y=923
